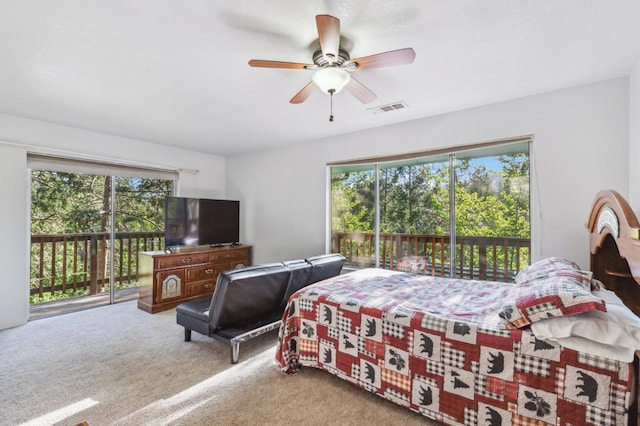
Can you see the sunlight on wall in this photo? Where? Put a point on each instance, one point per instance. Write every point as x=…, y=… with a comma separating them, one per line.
x=62, y=413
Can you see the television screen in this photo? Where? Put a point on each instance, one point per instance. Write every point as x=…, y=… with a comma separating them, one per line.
x=200, y=221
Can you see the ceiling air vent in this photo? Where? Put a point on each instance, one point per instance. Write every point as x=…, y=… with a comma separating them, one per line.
x=388, y=108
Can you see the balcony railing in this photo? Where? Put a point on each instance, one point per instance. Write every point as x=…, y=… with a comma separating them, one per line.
x=79, y=262
x=483, y=258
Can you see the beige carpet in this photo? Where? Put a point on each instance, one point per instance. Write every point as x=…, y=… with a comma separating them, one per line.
x=117, y=365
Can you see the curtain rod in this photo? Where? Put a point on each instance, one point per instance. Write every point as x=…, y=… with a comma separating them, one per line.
x=435, y=151
x=71, y=155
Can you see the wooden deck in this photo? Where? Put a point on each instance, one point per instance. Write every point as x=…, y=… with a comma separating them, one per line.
x=59, y=307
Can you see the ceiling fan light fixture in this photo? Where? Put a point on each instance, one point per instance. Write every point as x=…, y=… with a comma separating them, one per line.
x=331, y=79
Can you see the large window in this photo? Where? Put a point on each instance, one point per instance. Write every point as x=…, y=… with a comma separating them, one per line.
x=405, y=213
x=88, y=223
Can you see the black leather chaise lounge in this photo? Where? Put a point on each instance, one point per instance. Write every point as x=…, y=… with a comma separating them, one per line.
x=250, y=301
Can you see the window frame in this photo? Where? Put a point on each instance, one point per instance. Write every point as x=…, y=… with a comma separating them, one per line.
x=490, y=148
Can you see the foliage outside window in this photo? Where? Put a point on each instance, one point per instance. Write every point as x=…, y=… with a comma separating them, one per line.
x=490, y=201
x=71, y=222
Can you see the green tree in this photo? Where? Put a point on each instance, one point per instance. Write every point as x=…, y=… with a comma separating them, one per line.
x=493, y=203
x=414, y=199
x=140, y=204
x=352, y=201
x=64, y=203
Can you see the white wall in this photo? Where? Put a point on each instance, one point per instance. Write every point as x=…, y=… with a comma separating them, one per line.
x=20, y=135
x=14, y=252
x=634, y=140
x=581, y=145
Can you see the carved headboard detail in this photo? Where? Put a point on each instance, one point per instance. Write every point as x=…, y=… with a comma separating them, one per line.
x=614, y=243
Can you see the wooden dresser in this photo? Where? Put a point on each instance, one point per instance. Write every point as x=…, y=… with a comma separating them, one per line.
x=168, y=279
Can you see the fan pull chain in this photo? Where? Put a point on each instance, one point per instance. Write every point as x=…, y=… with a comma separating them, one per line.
x=331, y=92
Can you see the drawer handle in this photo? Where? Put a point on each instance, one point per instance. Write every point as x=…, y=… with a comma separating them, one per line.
x=208, y=285
x=186, y=260
x=209, y=271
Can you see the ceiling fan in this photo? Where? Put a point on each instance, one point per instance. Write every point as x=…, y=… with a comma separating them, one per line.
x=333, y=65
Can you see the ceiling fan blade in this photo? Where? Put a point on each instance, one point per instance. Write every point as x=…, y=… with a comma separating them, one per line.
x=360, y=91
x=329, y=36
x=278, y=64
x=302, y=95
x=384, y=59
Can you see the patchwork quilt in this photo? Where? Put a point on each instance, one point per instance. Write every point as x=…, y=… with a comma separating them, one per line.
x=438, y=347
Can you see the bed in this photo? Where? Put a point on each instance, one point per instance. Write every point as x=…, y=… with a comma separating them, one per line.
x=555, y=347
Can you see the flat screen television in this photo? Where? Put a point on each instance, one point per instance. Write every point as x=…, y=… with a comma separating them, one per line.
x=201, y=221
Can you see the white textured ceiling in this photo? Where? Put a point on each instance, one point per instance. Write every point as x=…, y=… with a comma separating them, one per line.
x=175, y=72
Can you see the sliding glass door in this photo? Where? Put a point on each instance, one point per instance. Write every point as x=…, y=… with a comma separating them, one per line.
x=462, y=213
x=353, y=221
x=138, y=213
x=86, y=232
x=414, y=214
x=492, y=212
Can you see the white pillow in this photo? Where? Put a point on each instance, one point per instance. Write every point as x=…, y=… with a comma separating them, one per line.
x=617, y=327
x=581, y=344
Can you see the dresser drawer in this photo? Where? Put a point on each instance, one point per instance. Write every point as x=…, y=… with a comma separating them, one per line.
x=229, y=255
x=169, y=285
x=201, y=288
x=207, y=271
x=182, y=260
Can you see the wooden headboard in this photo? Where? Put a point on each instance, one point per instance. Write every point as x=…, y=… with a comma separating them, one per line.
x=615, y=246
x=614, y=243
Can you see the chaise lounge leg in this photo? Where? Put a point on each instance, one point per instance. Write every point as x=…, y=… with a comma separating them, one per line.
x=187, y=335
x=235, y=352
